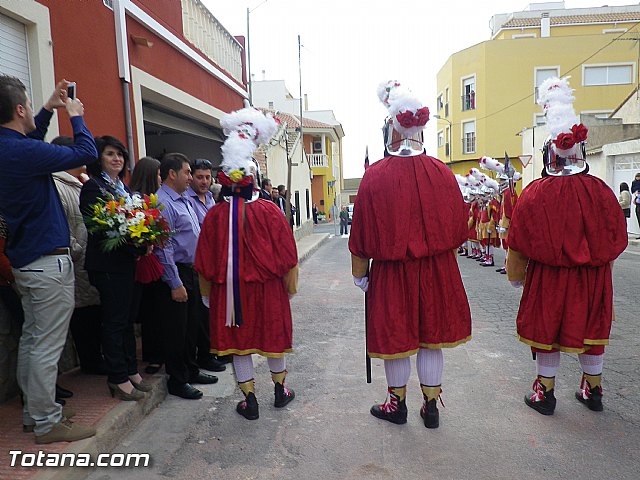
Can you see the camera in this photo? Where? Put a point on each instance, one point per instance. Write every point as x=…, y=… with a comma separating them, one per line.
x=71, y=90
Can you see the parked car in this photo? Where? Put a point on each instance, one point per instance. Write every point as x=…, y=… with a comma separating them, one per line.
x=350, y=210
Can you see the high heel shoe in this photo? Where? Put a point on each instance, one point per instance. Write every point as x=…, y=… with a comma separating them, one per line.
x=143, y=386
x=116, y=392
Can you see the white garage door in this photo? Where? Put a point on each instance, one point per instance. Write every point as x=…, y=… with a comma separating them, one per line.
x=14, y=54
x=624, y=169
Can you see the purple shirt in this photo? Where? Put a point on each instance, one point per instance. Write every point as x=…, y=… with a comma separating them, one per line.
x=200, y=208
x=181, y=247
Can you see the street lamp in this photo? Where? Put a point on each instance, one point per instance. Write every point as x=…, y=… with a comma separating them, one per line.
x=450, y=133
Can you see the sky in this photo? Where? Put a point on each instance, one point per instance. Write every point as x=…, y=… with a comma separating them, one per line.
x=351, y=46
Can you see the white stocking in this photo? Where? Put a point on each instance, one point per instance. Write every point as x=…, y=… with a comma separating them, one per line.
x=429, y=364
x=277, y=365
x=591, y=364
x=397, y=371
x=547, y=363
x=243, y=366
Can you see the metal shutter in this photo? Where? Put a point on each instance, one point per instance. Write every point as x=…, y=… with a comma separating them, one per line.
x=14, y=54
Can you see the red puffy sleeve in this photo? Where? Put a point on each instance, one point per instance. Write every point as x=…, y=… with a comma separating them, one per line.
x=407, y=208
x=568, y=222
x=269, y=247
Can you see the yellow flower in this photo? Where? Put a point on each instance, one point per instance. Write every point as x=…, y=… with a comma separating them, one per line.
x=121, y=200
x=96, y=209
x=153, y=199
x=236, y=175
x=138, y=230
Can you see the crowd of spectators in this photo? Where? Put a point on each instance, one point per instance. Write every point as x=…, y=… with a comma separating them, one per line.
x=56, y=277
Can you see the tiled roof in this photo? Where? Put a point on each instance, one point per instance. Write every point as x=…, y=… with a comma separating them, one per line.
x=293, y=121
x=575, y=19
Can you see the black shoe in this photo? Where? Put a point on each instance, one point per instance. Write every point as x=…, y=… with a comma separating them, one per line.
x=63, y=392
x=248, y=407
x=593, y=399
x=184, y=391
x=429, y=413
x=546, y=405
x=204, y=379
x=398, y=417
x=60, y=401
x=152, y=368
x=212, y=364
x=283, y=395
x=225, y=358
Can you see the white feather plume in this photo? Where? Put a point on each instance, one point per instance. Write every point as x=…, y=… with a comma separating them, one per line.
x=556, y=98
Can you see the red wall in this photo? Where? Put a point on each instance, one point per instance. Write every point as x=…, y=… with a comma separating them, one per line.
x=84, y=51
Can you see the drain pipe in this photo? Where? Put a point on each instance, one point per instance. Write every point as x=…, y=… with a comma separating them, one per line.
x=119, y=16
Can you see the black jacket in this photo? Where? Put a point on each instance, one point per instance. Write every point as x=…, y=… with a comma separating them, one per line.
x=121, y=260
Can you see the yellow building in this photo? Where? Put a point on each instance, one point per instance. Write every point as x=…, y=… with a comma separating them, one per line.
x=487, y=92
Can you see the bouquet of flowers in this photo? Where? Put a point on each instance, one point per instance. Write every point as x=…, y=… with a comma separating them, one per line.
x=137, y=222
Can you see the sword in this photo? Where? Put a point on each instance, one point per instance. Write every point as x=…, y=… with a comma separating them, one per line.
x=366, y=327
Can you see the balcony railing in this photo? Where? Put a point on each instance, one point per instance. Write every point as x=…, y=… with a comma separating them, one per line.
x=318, y=160
x=203, y=30
x=469, y=143
x=468, y=101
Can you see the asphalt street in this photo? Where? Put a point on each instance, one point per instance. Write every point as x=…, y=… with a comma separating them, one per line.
x=327, y=432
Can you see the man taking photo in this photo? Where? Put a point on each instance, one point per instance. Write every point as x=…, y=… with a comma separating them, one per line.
x=38, y=246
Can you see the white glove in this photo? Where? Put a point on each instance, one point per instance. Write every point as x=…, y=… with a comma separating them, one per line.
x=516, y=283
x=362, y=283
x=501, y=230
x=205, y=301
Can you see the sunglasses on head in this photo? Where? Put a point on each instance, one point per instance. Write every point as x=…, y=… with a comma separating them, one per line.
x=202, y=164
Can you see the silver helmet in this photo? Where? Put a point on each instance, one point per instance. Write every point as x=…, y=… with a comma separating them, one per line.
x=559, y=163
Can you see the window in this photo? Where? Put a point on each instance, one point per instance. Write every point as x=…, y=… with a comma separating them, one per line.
x=446, y=102
x=541, y=74
x=440, y=138
x=439, y=103
x=468, y=93
x=619, y=74
x=469, y=137
x=307, y=202
x=108, y=3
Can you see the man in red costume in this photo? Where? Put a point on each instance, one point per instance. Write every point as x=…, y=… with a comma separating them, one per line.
x=416, y=300
x=248, y=265
x=563, y=254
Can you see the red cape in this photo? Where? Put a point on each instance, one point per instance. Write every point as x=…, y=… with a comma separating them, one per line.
x=407, y=208
x=568, y=222
x=269, y=247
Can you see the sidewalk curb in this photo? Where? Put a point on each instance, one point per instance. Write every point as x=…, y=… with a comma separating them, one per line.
x=111, y=429
x=306, y=252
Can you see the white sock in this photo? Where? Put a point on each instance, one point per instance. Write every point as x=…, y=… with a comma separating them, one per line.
x=548, y=363
x=397, y=371
x=591, y=364
x=277, y=365
x=243, y=366
x=429, y=364
x=490, y=250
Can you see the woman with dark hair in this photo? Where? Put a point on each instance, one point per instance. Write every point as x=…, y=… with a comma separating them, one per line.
x=113, y=273
x=625, y=201
x=146, y=180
